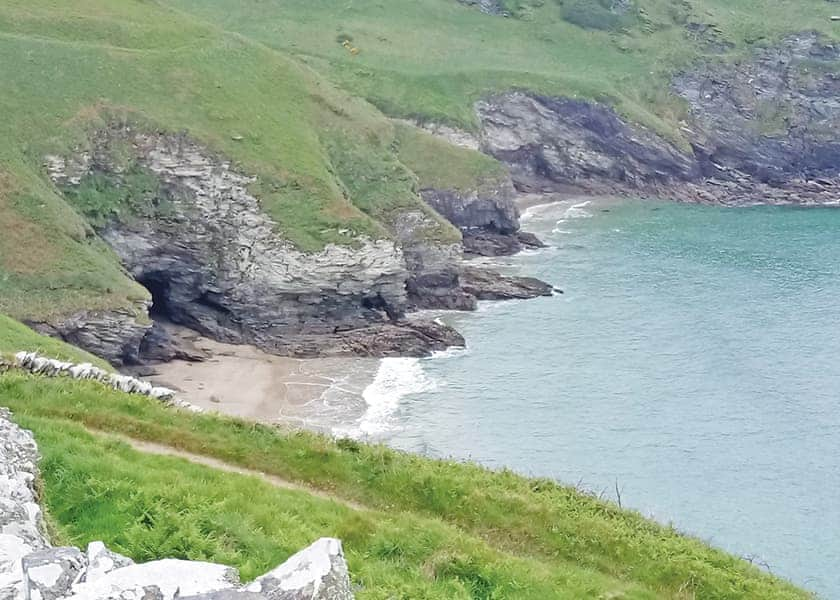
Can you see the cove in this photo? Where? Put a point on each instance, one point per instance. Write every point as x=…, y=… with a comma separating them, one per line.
x=692, y=363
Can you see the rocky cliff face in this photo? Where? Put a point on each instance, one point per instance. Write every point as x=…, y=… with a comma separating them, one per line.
x=31, y=569
x=556, y=143
x=762, y=131
x=774, y=118
x=115, y=335
x=214, y=262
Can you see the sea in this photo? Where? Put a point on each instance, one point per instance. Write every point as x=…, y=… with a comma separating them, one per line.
x=691, y=366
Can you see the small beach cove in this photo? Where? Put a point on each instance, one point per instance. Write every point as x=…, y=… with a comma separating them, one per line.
x=688, y=366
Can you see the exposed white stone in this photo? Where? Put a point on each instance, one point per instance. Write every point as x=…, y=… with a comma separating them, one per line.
x=102, y=561
x=318, y=572
x=33, y=362
x=171, y=577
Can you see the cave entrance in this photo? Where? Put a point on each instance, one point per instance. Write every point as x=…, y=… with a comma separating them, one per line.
x=158, y=287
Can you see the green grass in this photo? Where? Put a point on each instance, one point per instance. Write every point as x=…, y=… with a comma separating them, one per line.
x=441, y=165
x=431, y=60
x=434, y=529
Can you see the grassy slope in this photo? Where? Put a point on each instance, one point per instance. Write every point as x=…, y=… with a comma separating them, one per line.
x=432, y=59
x=434, y=529
x=325, y=159
x=68, y=67
x=439, y=164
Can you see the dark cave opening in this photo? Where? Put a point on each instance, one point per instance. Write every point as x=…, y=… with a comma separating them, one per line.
x=378, y=303
x=158, y=286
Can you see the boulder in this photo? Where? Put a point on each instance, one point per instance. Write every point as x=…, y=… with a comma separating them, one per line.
x=102, y=561
x=318, y=572
x=159, y=580
x=485, y=284
x=50, y=574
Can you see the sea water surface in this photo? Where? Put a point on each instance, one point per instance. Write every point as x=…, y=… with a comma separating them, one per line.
x=693, y=361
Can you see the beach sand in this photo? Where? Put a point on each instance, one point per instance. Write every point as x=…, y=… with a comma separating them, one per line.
x=243, y=381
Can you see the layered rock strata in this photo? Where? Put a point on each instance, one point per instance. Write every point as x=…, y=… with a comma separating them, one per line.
x=762, y=131
x=213, y=261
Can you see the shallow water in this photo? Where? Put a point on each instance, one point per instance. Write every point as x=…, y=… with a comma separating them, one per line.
x=693, y=361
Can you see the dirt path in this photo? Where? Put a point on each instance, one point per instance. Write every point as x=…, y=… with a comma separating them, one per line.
x=214, y=463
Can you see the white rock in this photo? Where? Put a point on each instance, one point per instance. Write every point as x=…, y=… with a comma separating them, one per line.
x=170, y=577
x=318, y=572
x=102, y=561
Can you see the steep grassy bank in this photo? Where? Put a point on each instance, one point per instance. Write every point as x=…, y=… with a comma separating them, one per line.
x=434, y=529
x=70, y=70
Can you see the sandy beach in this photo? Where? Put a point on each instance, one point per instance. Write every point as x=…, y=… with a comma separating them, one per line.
x=243, y=381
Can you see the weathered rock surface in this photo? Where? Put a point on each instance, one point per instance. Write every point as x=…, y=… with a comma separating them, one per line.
x=488, y=243
x=114, y=335
x=30, y=569
x=489, y=285
x=762, y=131
x=490, y=7
x=102, y=561
x=21, y=528
x=492, y=209
x=214, y=262
x=51, y=573
x=551, y=142
x=319, y=571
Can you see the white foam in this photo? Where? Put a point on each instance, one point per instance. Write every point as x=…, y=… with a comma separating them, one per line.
x=577, y=211
x=450, y=352
x=395, y=379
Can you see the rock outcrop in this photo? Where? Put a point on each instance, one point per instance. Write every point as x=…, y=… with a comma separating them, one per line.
x=556, y=143
x=488, y=218
x=115, y=335
x=490, y=7
x=489, y=285
x=31, y=569
x=773, y=119
x=762, y=131
x=214, y=262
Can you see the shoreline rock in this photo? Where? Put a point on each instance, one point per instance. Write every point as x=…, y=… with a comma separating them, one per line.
x=762, y=131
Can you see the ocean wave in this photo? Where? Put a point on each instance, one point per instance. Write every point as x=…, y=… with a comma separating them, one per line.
x=577, y=211
x=450, y=352
x=395, y=379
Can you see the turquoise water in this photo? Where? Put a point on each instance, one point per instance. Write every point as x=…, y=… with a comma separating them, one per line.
x=694, y=360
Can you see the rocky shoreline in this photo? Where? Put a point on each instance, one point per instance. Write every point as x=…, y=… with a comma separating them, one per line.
x=761, y=131
x=212, y=260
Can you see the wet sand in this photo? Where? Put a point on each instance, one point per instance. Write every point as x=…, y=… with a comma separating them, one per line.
x=245, y=382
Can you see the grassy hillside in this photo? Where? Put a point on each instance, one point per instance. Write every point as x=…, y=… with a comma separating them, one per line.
x=433, y=59
x=412, y=527
x=68, y=69
x=282, y=88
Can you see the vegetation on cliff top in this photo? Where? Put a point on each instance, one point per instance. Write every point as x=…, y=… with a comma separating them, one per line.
x=273, y=86
x=412, y=527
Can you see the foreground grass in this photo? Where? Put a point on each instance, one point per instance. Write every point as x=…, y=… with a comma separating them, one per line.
x=435, y=529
